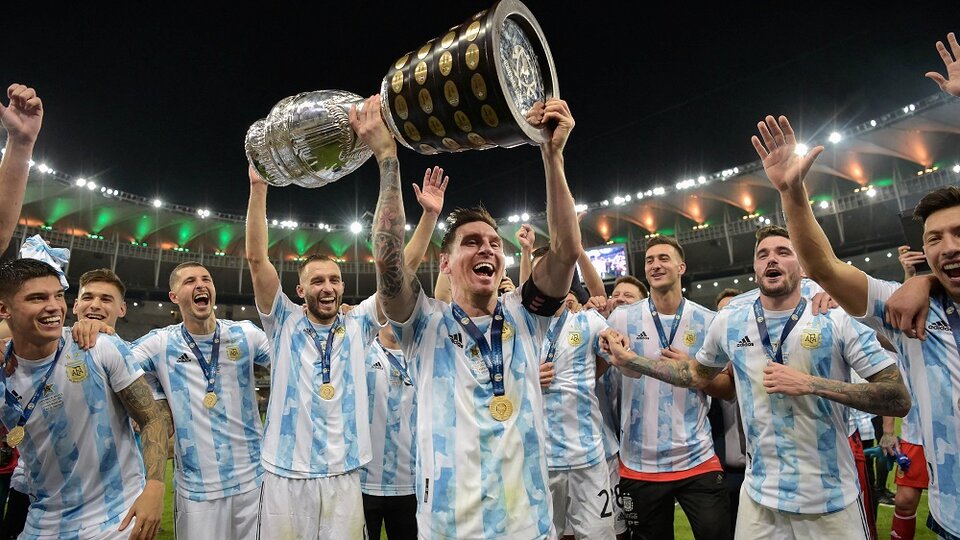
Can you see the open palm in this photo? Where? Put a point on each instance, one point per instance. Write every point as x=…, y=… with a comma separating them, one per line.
x=783, y=166
x=430, y=196
x=950, y=84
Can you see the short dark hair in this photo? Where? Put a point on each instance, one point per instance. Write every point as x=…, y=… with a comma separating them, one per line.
x=316, y=257
x=460, y=217
x=174, y=273
x=632, y=281
x=667, y=241
x=726, y=293
x=770, y=230
x=103, y=275
x=14, y=274
x=936, y=200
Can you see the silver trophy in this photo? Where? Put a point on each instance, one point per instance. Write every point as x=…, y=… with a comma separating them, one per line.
x=469, y=89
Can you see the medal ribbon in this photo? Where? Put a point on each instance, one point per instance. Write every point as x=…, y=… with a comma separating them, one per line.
x=395, y=362
x=209, y=370
x=324, y=351
x=493, y=359
x=664, y=342
x=32, y=404
x=776, y=356
x=553, y=334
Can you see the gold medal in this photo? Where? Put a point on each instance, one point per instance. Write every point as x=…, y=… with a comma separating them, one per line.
x=210, y=399
x=327, y=391
x=501, y=408
x=507, y=331
x=15, y=436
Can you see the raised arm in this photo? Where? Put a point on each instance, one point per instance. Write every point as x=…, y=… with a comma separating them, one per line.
x=430, y=198
x=786, y=171
x=264, y=275
x=950, y=84
x=884, y=393
x=397, y=287
x=591, y=277
x=527, y=238
x=554, y=274
x=138, y=400
x=22, y=118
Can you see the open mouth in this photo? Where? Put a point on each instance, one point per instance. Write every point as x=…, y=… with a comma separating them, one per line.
x=658, y=275
x=952, y=270
x=51, y=322
x=327, y=301
x=483, y=269
x=201, y=299
x=772, y=273
x=94, y=316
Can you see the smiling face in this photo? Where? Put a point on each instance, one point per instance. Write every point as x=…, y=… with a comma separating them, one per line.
x=36, y=311
x=101, y=301
x=663, y=267
x=941, y=245
x=321, y=287
x=776, y=267
x=193, y=292
x=625, y=293
x=475, y=263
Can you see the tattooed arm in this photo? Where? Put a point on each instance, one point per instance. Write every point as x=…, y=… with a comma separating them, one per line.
x=884, y=393
x=138, y=399
x=397, y=287
x=674, y=367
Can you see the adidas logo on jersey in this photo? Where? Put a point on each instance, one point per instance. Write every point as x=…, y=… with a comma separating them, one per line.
x=643, y=335
x=745, y=342
x=939, y=326
x=183, y=358
x=457, y=339
x=378, y=365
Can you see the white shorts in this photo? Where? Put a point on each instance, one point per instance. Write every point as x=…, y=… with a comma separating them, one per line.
x=619, y=517
x=314, y=508
x=229, y=517
x=92, y=532
x=582, y=502
x=757, y=521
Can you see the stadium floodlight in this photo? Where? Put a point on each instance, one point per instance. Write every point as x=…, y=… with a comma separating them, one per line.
x=735, y=281
x=801, y=149
x=407, y=227
x=618, y=200
x=513, y=219
x=873, y=123
x=157, y=203
x=91, y=186
x=956, y=168
x=80, y=182
x=580, y=208
x=510, y=260
x=835, y=137
x=871, y=192
x=824, y=205
x=356, y=227
x=525, y=216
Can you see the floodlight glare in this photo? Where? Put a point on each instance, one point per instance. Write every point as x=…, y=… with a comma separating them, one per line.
x=356, y=227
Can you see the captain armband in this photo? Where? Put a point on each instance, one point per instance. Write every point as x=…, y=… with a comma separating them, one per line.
x=538, y=303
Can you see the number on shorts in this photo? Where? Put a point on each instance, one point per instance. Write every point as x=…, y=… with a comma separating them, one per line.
x=605, y=513
x=618, y=495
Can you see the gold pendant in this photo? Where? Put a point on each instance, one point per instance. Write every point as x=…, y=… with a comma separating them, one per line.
x=15, y=436
x=501, y=408
x=210, y=399
x=327, y=391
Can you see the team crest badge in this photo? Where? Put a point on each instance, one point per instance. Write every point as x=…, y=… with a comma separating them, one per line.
x=507, y=331
x=233, y=352
x=340, y=331
x=574, y=338
x=689, y=338
x=810, y=339
x=77, y=371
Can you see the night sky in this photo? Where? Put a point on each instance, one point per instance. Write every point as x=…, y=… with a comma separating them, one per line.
x=155, y=100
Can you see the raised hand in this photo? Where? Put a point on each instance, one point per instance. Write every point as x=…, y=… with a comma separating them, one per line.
x=430, y=196
x=598, y=303
x=555, y=122
x=909, y=261
x=23, y=116
x=369, y=126
x=950, y=84
x=526, y=237
x=254, y=176
x=785, y=169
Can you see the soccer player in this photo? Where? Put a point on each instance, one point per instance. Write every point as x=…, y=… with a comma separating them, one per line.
x=202, y=372
x=626, y=290
x=21, y=117
x=387, y=480
x=931, y=364
x=666, y=446
x=68, y=412
x=475, y=362
x=790, y=384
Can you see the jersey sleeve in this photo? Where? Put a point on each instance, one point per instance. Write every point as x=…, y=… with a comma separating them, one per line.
x=878, y=292
x=712, y=353
x=146, y=353
x=410, y=332
x=283, y=307
x=859, y=345
x=112, y=355
x=365, y=314
x=259, y=346
x=597, y=325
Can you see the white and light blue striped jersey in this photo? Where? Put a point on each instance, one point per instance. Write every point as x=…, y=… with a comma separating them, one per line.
x=477, y=477
x=933, y=366
x=664, y=428
x=570, y=406
x=307, y=436
x=910, y=428
x=858, y=420
x=216, y=450
x=608, y=400
x=79, y=455
x=393, y=419
x=798, y=457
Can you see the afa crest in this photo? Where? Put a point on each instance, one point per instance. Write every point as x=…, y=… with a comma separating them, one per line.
x=77, y=371
x=810, y=339
x=340, y=331
x=574, y=339
x=689, y=338
x=233, y=352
